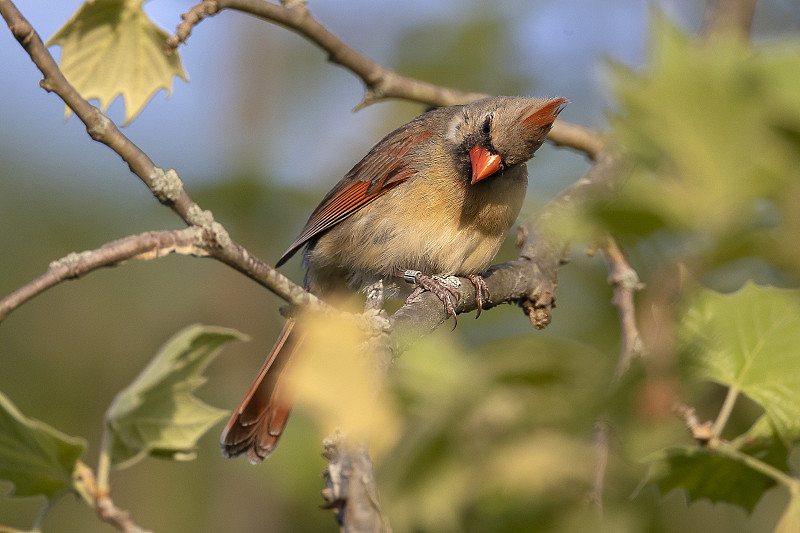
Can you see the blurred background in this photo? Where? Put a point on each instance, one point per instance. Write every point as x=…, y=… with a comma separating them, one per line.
x=261, y=132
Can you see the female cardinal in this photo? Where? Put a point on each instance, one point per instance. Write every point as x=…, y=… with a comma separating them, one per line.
x=436, y=196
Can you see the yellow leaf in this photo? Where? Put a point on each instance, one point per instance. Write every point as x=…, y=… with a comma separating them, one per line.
x=336, y=379
x=111, y=48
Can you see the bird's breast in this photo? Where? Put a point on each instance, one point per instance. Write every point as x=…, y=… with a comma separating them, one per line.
x=436, y=227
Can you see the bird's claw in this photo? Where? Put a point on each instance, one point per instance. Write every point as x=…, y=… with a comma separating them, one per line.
x=480, y=290
x=442, y=291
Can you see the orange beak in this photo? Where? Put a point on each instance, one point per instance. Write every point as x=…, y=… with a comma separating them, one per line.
x=484, y=163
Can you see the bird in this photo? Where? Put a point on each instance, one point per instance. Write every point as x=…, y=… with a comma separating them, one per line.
x=436, y=197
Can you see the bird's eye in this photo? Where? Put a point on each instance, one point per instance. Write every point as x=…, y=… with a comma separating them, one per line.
x=486, y=127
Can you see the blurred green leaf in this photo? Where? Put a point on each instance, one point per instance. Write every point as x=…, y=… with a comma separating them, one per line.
x=704, y=474
x=35, y=457
x=110, y=48
x=748, y=341
x=157, y=414
x=506, y=422
x=714, y=170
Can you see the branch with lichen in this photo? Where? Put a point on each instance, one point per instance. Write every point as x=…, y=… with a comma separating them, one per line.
x=166, y=186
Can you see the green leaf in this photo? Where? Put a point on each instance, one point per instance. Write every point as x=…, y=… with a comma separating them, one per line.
x=157, y=414
x=35, y=457
x=712, y=171
x=704, y=474
x=490, y=426
x=748, y=341
x=111, y=48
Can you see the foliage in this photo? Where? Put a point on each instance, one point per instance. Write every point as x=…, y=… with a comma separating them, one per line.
x=35, y=457
x=496, y=436
x=156, y=414
x=110, y=48
x=715, y=177
x=747, y=342
x=719, y=170
x=491, y=425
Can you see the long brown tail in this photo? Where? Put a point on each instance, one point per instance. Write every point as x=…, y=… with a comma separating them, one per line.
x=258, y=422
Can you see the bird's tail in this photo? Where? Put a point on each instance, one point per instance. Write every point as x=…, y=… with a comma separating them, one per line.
x=258, y=422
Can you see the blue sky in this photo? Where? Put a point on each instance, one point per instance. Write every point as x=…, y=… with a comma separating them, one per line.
x=563, y=42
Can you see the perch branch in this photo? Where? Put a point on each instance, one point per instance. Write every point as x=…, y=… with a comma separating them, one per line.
x=351, y=490
x=531, y=280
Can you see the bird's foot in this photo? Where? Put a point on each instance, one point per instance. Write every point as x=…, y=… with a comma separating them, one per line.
x=442, y=290
x=481, y=290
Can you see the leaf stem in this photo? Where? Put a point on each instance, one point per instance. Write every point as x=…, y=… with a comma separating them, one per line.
x=725, y=411
x=104, y=462
x=731, y=451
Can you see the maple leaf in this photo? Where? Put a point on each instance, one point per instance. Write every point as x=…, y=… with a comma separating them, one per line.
x=111, y=48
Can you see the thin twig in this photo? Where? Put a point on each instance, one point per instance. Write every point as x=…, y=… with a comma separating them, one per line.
x=85, y=484
x=624, y=282
x=700, y=431
x=75, y=265
x=728, y=17
x=380, y=82
x=191, y=18
x=600, y=446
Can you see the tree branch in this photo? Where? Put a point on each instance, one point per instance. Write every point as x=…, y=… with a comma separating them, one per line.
x=381, y=83
x=145, y=246
x=728, y=17
x=351, y=490
x=165, y=186
x=168, y=188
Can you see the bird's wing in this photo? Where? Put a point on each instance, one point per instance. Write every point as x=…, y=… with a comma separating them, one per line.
x=384, y=167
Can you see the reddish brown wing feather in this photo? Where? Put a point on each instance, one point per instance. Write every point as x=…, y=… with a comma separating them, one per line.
x=384, y=167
